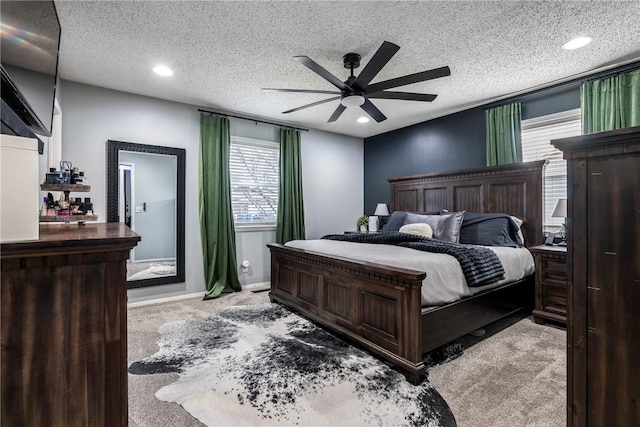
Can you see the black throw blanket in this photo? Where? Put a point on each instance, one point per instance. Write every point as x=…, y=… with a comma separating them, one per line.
x=480, y=266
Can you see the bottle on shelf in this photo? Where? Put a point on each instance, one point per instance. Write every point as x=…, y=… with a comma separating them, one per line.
x=51, y=207
x=44, y=209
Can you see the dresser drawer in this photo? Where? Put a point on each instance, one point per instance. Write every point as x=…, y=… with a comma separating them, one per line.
x=554, y=299
x=554, y=271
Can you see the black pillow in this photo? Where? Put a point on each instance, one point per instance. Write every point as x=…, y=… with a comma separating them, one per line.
x=489, y=229
x=396, y=220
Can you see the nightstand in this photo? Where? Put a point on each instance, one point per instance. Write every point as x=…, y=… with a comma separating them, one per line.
x=551, y=284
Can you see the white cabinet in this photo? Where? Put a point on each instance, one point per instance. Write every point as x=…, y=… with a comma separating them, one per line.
x=19, y=191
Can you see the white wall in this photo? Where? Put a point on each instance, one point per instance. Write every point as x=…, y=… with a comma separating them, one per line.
x=332, y=170
x=332, y=182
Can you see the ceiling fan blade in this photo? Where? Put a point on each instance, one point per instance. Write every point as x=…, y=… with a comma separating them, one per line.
x=407, y=80
x=375, y=64
x=317, y=68
x=336, y=114
x=329, y=92
x=311, y=105
x=407, y=96
x=372, y=111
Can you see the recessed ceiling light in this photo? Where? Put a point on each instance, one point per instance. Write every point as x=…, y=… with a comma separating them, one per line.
x=363, y=119
x=577, y=43
x=163, y=70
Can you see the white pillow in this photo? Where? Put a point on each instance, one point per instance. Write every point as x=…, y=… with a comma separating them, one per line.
x=419, y=228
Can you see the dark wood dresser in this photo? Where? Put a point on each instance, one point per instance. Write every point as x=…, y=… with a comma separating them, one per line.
x=64, y=327
x=603, y=325
x=551, y=284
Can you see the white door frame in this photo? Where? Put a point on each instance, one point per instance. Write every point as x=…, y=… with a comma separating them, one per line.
x=122, y=166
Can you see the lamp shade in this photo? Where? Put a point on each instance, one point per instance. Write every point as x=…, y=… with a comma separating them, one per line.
x=561, y=209
x=381, y=210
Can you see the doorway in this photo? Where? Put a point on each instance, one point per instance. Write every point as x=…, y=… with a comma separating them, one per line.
x=126, y=197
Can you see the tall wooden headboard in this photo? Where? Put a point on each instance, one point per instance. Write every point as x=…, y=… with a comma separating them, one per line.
x=514, y=189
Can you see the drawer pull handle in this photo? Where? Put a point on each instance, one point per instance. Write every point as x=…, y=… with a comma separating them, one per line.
x=593, y=289
x=596, y=173
x=610, y=253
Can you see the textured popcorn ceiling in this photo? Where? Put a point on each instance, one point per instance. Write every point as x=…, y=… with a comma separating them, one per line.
x=222, y=53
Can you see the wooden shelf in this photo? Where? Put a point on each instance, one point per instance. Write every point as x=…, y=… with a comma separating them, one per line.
x=65, y=187
x=68, y=218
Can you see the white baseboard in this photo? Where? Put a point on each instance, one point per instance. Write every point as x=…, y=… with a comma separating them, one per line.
x=194, y=295
x=253, y=286
x=166, y=299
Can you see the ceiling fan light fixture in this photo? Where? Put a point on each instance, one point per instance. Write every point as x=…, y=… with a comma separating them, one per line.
x=577, y=43
x=363, y=119
x=353, y=100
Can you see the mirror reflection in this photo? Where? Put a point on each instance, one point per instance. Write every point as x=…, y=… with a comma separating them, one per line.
x=147, y=205
x=146, y=192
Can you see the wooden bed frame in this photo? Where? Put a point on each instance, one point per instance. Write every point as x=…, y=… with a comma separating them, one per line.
x=379, y=306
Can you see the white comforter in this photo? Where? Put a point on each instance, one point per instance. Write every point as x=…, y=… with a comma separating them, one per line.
x=445, y=281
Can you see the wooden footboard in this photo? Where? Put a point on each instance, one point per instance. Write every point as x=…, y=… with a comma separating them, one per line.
x=379, y=307
x=374, y=305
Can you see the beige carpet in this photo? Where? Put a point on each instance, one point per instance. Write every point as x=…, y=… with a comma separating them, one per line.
x=514, y=378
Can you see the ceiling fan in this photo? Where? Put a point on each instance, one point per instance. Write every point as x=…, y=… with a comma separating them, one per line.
x=356, y=91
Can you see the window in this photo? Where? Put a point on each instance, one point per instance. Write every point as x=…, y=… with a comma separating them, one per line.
x=537, y=134
x=254, y=166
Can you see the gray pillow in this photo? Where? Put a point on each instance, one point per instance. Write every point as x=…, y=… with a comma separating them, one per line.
x=446, y=226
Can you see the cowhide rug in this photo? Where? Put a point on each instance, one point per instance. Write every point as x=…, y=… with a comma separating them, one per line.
x=263, y=365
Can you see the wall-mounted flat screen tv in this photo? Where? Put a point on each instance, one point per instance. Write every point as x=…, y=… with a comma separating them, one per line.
x=29, y=59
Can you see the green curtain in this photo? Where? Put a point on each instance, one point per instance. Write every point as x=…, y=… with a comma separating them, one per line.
x=216, y=217
x=290, y=221
x=611, y=103
x=504, y=144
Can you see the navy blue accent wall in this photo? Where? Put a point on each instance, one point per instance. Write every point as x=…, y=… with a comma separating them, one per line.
x=452, y=142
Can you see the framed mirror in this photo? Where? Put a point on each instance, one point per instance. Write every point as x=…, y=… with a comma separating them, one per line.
x=145, y=190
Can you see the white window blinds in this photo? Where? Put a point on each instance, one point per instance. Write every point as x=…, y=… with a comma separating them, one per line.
x=537, y=134
x=254, y=166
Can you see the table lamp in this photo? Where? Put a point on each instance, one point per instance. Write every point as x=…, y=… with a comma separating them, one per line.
x=381, y=212
x=561, y=212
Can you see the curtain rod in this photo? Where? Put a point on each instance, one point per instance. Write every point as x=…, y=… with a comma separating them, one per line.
x=565, y=84
x=252, y=120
